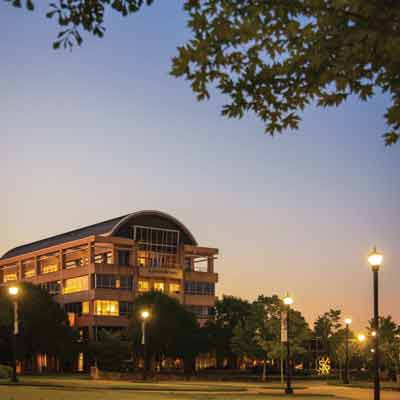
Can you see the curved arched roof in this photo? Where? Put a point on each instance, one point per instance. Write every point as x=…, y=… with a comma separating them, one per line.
x=111, y=227
x=130, y=219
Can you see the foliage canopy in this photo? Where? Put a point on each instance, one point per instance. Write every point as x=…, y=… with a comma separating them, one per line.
x=271, y=57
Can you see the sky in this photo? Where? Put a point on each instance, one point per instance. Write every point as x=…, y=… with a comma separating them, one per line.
x=104, y=130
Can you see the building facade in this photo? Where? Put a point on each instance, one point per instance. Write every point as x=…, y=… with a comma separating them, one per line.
x=95, y=272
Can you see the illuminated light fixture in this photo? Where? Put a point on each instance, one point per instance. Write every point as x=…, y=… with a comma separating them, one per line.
x=13, y=290
x=361, y=337
x=145, y=314
x=348, y=321
x=373, y=333
x=288, y=300
x=375, y=259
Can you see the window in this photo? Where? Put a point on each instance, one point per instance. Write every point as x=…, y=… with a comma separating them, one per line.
x=200, y=288
x=125, y=282
x=125, y=308
x=52, y=288
x=159, y=286
x=85, y=307
x=79, y=284
x=143, y=286
x=75, y=257
x=156, y=247
x=174, y=288
x=28, y=268
x=104, y=281
x=188, y=263
x=48, y=263
x=102, y=255
x=106, y=307
x=123, y=257
x=10, y=274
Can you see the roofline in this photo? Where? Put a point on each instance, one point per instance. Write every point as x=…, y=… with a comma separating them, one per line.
x=154, y=212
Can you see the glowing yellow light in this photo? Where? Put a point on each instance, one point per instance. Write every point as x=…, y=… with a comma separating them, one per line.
x=361, y=337
x=145, y=314
x=288, y=300
x=348, y=321
x=375, y=258
x=13, y=290
x=373, y=333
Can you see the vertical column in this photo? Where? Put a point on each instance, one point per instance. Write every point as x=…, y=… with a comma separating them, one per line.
x=90, y=252
x=114, y=254
x=210, y=264
x=37, y=266
x=61, y=260
x=19, y=270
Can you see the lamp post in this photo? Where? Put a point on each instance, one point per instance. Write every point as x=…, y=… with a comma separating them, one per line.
x=145, y=315
x=347, y=321
x=288, y=301
x=13, y=292
x=375, y=261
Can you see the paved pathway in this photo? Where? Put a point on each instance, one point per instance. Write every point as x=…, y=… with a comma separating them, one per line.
x=339, y=391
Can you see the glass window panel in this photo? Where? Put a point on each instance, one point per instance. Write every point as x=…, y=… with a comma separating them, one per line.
x=76, y=284
x=106, y=307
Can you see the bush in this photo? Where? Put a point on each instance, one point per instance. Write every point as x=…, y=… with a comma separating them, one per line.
x=5, y=372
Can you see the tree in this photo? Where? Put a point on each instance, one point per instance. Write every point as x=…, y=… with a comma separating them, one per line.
x=389, y=344
x=110, y=351
x=326, y=327
x=39, y=332
x=258, y=336
x=271, y=57
x=173, y=331
x=229, y=312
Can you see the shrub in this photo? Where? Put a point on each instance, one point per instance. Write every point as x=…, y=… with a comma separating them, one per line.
x=5, y=372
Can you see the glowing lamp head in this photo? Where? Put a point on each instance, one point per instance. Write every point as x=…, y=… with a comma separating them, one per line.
x=373, y=333
x=375, y=259
x=348, y=321
x=13, y=290
x=145, y=314
x=361, y=337
x=287, y=300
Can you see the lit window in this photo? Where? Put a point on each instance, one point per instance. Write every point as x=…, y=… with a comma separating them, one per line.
x=28, y=268
x=174, y=288
x=143, y=286
x=79, y=284
x=106, y=307
x=159, y=286
x=10, y=276
x=48, y=263
x=80, y=362
x=85, y=307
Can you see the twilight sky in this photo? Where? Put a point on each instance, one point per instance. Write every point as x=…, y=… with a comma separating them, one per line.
x=104, y=130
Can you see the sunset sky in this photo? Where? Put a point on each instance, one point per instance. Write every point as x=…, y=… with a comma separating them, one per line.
x=104, y=130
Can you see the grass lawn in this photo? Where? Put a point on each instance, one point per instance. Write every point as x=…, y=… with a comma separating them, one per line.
x=81, y=388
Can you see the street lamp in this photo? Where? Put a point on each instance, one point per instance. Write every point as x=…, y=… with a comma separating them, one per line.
x=13, y=292
x=288, y=301
x=144, y=315
x=347, y=321
x=361, y=337
x=375, y=261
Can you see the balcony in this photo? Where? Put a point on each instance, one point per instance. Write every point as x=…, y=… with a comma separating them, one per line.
x=161, y=272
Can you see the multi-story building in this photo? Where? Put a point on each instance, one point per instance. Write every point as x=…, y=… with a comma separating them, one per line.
x=95, y=272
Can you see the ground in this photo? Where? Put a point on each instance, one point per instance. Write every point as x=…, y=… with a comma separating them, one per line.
x=73, y=388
